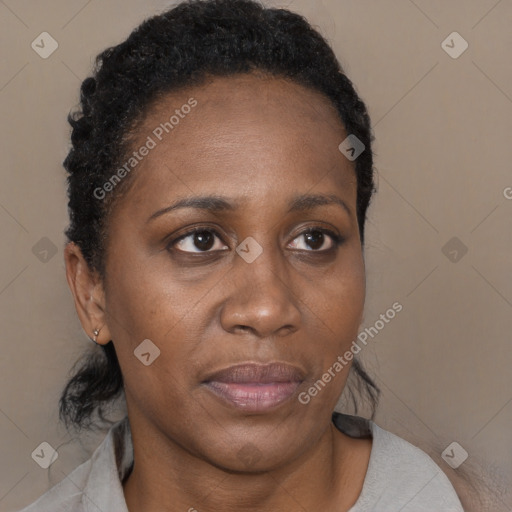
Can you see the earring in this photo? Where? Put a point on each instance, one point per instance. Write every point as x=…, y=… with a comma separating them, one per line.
x=95, y=332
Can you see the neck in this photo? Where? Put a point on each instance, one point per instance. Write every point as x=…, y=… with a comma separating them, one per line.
x=167, y=478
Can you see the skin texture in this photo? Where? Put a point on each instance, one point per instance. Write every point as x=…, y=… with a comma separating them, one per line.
x=260, y=142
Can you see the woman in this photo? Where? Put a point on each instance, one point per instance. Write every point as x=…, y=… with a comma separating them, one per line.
x=219, y=179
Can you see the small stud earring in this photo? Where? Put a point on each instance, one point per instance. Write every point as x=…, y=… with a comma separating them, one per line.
x=95, y=332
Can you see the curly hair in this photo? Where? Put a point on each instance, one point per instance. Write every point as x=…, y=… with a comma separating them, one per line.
x=176, y=49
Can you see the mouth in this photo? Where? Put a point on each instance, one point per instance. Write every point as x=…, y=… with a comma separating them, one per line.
x=255, y=387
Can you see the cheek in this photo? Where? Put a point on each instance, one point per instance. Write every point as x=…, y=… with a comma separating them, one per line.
x=156, y=373
x=146, y=299
x=143, y=303
x=339, y=320
x=350, y=305
x=336, y=313
x=339, y=302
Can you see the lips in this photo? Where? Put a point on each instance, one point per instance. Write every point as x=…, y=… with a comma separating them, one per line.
x=255, y=387
x=252, y=373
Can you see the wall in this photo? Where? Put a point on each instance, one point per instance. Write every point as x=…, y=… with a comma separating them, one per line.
x=439, y=234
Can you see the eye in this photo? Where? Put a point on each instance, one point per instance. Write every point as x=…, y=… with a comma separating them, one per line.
x=199, y=240
x=318, y=240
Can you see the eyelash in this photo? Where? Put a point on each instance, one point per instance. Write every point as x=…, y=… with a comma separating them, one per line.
x=337, y=240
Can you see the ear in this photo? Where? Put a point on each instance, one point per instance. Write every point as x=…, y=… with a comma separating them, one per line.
x=88, y=293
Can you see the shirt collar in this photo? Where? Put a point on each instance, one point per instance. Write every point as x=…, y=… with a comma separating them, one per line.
x=112, y=462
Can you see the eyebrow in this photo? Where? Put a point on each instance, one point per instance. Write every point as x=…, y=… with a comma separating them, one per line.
x=209, y=203
x=215, y=204
x=311, y=201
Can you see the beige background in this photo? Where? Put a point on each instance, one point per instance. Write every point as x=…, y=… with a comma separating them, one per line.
x=443, y=155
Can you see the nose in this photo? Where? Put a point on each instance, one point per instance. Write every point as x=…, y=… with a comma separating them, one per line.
x=261, y=299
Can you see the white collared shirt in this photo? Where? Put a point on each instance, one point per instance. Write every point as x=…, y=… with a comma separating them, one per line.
x=400, y=477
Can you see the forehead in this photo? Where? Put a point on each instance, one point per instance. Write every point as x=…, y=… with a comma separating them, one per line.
x=249, y=132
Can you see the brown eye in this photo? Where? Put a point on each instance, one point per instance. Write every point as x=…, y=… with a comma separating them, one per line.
x=316, y=240
x=204, y=240
x=199, y=240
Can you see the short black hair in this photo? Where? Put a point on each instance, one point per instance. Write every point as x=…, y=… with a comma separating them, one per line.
x=179, y=48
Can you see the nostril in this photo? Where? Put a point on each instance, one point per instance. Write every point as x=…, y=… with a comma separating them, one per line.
x=288, y=329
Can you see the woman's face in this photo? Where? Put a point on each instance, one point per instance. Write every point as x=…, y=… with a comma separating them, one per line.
x=252, y=287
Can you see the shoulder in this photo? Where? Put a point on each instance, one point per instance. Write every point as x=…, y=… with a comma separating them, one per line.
x=66, y=495
x=96, y=482
x=401, y=476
